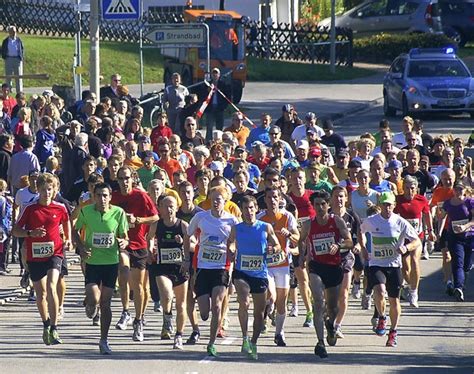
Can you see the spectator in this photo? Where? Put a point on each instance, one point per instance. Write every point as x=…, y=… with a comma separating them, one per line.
x=9, y=102
x=174, y=101
x=110, y=91
x=12, y=53
x=217, y=105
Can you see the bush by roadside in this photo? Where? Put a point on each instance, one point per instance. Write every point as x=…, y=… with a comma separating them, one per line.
x=383, y=48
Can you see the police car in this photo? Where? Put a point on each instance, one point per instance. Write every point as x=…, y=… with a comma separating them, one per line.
x=428, y=80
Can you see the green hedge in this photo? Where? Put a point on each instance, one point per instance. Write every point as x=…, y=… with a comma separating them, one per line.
x=383, y=48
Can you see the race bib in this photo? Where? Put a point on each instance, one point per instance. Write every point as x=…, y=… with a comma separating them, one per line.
x=171, y=256
x=332, y=150
x=300, y=222
x=415, y=222
x=251, y=263
x=213, y=255
x=276, y=259
x=322, y=246
x=384, y=251
x=42, y=249
x=458, y=223
x=103, y=239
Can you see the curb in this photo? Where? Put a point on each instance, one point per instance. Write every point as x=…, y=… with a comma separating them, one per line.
x=357, y=109
x=12, y=295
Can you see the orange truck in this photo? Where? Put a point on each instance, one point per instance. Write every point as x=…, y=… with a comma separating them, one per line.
x=227, y=51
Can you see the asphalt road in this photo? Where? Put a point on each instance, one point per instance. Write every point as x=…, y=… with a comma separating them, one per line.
x=436, y=338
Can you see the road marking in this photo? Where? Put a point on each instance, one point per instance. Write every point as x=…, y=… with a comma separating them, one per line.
x=227, y=341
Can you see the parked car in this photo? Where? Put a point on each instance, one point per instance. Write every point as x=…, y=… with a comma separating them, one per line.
x=457, y=17
x=390, y=16
x=428, y=80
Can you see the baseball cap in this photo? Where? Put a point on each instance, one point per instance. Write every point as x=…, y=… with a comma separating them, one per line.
x=302, y=144
x=354, y=164
x=387, y=197
x=394, y=164
x=328, y=125
x=310, y=116
x=216, y=70
x=34, y=173
x=257, y=143
x=240, y=149
x=460, y=161
x=216, y=165
x=315, y=152
x=310, y=130
x=287, y=108
x=342, y=153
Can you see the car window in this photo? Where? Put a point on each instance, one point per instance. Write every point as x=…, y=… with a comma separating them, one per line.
x=398, y=66
x=440, y=68
x=375, y=9
x=452, y=8
x=401, y=7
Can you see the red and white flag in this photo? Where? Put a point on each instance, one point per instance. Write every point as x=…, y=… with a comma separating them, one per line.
x=206, y=102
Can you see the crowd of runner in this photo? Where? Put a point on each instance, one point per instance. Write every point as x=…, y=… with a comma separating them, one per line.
x=273, y=212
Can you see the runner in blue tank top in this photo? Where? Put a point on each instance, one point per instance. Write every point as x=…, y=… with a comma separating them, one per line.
x=251, y=240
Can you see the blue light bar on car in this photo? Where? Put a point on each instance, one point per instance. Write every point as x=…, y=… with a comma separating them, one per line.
x=449, y=50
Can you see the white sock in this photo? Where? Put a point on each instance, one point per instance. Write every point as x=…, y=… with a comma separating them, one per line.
x=279, y=322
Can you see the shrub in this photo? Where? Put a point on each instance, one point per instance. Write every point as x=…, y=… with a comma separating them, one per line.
x=383, y=48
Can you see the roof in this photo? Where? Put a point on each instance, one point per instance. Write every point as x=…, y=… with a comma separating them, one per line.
x=208, y=13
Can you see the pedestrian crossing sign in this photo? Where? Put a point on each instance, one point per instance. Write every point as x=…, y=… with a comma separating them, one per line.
x=120, y=9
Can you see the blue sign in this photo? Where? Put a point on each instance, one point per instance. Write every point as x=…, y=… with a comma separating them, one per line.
x=120, y=9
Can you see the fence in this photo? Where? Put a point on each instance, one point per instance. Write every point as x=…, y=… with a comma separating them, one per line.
x=277, y=41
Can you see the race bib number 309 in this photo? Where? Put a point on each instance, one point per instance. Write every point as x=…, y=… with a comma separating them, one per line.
x=171, y=256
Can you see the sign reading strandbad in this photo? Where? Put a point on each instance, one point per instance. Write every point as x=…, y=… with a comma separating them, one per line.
x=187, y=34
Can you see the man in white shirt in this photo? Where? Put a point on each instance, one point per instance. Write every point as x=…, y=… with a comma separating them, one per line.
x=299, y=133
x=12, y=53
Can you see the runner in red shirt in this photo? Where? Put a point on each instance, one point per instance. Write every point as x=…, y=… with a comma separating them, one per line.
x=40, y=225
x=415, y=209
x=300, y=197
x=160, y=131
x=141, y=212
x=327, y=235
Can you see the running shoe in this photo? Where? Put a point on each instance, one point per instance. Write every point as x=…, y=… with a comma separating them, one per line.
x=308, y=322
x=144, y=321
x=272, y=317
x=320, y=350
x=54, y=338
x=157, y=307
x=381, y=329
x=265, y=326
x=458, y=294
x=178, y=342
x=246, y=346
x=61, y=313
x=25, y=279
x=124, y=321
x=31, y=296
x=220, y=333
x=338, y=332
x=374, y=321
x=46, y=332
x=356, y=291
x=413, y=299
x=225, y=323
x=194, y=338
x=405, y=293
x=294, y=310
x=253, y=352
x=165, y=333
x=392, y=340
x=331, y=337
x=104, y=347
x=279, y=340
x=168, y=322
x=138, y=331
x=450, y=288
x=366, y=301
x=96, y=320
x=211, y=350
x=91, y=310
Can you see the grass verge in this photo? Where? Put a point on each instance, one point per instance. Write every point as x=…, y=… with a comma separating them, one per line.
x=55, y=57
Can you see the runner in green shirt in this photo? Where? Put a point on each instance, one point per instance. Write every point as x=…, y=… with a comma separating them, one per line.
x=105, y=227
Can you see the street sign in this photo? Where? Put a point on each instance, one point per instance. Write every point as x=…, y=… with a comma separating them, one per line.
x=179, y=35
x=120, y=9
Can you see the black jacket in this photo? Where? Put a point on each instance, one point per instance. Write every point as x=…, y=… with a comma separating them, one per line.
x=5, y=157
x=5, y=48
x=222, y=103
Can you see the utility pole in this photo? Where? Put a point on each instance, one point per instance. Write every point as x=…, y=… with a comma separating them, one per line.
x=332, y=52
x=94, y=48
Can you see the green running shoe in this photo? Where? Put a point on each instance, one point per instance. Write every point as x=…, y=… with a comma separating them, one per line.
x=46, y=339
x=253, y=352
x=211, y=350
x=54, y=337
x=246, y=348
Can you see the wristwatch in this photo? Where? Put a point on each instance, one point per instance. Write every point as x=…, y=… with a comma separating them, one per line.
x=28, y=233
